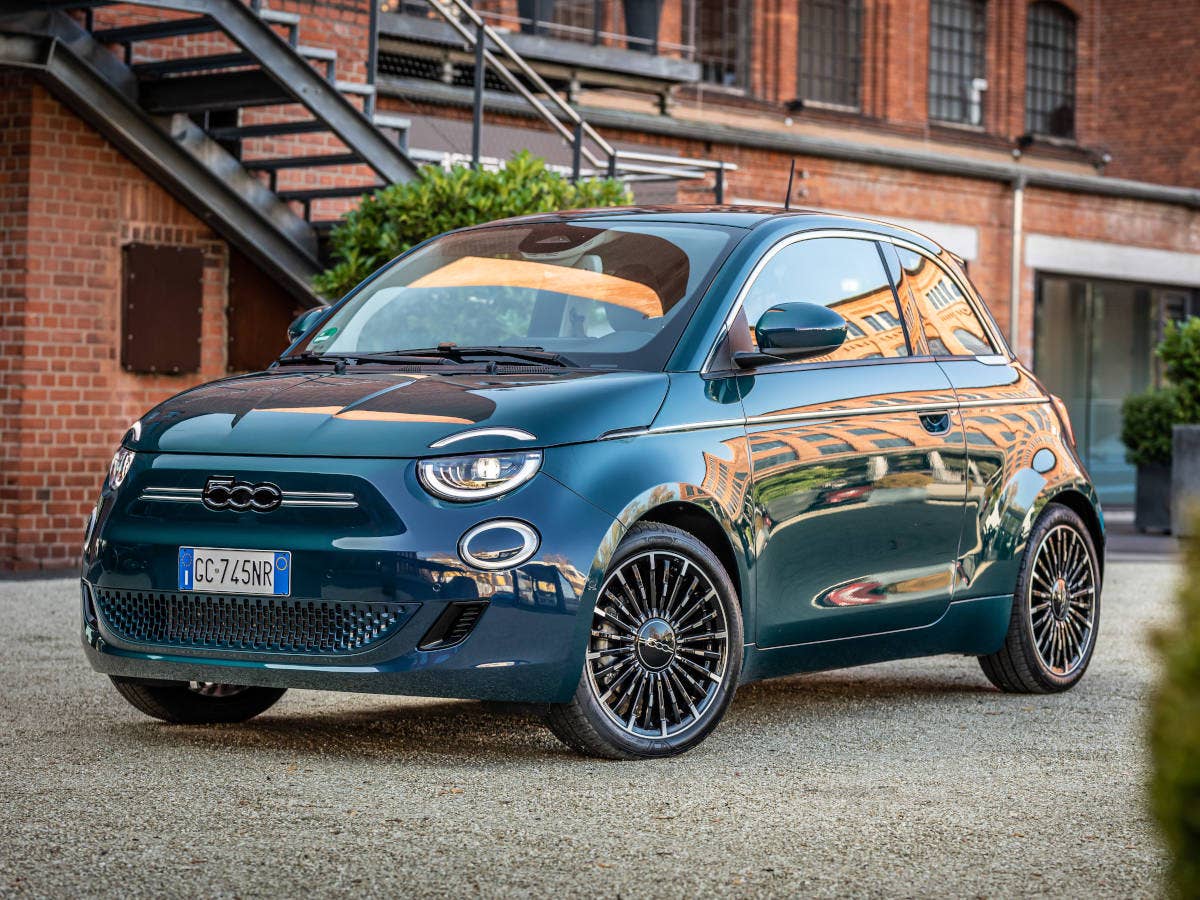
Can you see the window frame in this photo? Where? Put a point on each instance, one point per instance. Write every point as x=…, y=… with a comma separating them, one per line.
x=856, y=59
x=1001, y=351
x=742, y=47
x=1003, y=355
x=977, y=36
x=1071, y=73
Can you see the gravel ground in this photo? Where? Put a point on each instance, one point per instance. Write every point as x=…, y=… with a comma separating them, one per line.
x=904, y=779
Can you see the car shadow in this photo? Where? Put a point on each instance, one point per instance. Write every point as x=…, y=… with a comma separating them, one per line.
x=387, y=729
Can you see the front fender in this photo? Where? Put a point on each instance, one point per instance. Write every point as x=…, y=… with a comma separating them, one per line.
x=631, y=476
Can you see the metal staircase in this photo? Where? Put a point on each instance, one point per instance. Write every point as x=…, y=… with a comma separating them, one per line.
x=254, y=131
x=222, y=114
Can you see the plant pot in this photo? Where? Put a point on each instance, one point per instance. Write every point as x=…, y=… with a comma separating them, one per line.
x=540, y=11
x=1152, y=511
x=1185, y=480
x=641, y=21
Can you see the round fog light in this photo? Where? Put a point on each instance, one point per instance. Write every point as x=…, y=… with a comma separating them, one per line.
x=498, y=544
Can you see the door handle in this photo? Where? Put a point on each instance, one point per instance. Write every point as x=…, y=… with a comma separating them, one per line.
x=936, y=423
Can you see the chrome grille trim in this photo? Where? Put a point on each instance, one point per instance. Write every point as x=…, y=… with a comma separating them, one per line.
x=293, y=499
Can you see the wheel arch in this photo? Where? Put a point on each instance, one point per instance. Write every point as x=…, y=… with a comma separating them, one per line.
x=1084, y=506
x=703, y=525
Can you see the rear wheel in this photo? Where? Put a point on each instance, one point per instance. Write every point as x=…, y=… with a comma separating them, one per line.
x=196, y=702
x=664, y=652
x=1056, y=609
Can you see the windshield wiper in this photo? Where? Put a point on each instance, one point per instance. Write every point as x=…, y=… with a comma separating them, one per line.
x=527, y=354
x=340, y=360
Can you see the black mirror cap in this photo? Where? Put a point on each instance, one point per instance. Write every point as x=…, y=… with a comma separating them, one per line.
x=303, y=322
x=798, y=330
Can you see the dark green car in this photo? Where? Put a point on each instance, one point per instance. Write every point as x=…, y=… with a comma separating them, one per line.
x=613, y=463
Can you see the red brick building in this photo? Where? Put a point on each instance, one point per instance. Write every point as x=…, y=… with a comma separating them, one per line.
x=1054, y=146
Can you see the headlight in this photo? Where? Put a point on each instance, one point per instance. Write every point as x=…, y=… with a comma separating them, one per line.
x=119, y=468
x=465, y=478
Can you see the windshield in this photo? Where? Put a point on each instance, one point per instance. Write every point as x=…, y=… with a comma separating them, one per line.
x=614, y=294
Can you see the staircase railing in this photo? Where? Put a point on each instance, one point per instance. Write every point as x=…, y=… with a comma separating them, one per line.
x=576, y=131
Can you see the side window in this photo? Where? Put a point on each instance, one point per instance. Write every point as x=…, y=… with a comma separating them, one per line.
x=951, y=326
x=843, y=274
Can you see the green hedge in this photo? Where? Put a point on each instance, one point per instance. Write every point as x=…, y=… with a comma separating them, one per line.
x=399, y=216
x=1175, y=735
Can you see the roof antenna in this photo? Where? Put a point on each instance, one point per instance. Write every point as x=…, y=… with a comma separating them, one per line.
x=787, y=201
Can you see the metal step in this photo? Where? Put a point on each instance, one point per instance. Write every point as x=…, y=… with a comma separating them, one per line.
x=303, y=162
x=267, y=129
x=290, y=20
x=354, y=87
x=194, y=64
x=329, y=193
x=386, y=120
x=129, y=34
x=220, y=61
x=220, y=90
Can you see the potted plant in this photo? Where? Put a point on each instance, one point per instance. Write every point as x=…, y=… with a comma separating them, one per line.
x=1146, y=431
x=1180, y=353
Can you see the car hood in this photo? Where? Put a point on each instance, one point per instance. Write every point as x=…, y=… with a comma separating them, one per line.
x=377, y=413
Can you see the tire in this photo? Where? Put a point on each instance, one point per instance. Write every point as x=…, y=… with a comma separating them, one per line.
x=1056, y=609
x=664, y=652
x=196, y=703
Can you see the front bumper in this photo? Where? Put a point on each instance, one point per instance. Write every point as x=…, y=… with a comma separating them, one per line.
x=396, y=549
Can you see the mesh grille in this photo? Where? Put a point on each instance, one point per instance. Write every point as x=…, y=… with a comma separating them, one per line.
x=261, y=624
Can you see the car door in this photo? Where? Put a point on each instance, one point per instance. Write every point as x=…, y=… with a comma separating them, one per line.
x=856, y=457
x=1004, y=414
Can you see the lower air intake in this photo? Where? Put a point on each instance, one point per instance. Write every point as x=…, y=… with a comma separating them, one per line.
x=453, y=625
x=255, y=624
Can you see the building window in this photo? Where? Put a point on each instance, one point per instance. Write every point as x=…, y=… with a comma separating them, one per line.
x=957, y=41
x=1050, y=71
x=721, y=32
x=830, y=65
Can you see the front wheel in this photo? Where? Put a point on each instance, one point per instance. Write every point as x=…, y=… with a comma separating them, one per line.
x=664, y=652
x=1056, y=609
x=196, y=702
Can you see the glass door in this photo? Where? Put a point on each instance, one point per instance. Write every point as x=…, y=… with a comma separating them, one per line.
x=1094, y=346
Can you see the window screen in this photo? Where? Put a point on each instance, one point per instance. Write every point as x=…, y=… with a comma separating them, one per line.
x=830, y=65
x=1050, y=70
x=845, y=275
x=951, y=326
x=957, y=38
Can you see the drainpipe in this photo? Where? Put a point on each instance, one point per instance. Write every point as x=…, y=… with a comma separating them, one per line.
x=1014, y=297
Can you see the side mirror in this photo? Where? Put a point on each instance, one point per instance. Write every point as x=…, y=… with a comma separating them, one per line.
x=305, y=321
x=792, y=331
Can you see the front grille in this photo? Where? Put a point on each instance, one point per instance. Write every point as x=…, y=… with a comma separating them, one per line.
x=257, y=624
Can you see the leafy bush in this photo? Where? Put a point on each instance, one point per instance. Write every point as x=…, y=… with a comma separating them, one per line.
x=400, y=216
x=1180, y=353
x=1147, y=419
x=1146, y=423
x=1175, y=736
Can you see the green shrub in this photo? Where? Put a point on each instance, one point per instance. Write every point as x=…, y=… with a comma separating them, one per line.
x=399, y=216
x=1147, y=419
x=1175, y=736
x=1146, y=423
x=1180, y=353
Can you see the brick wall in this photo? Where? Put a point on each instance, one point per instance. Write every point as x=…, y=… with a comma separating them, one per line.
x=68, y=202
x=1149, y=69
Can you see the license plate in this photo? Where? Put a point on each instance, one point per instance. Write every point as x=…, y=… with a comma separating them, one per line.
x=213, y=571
